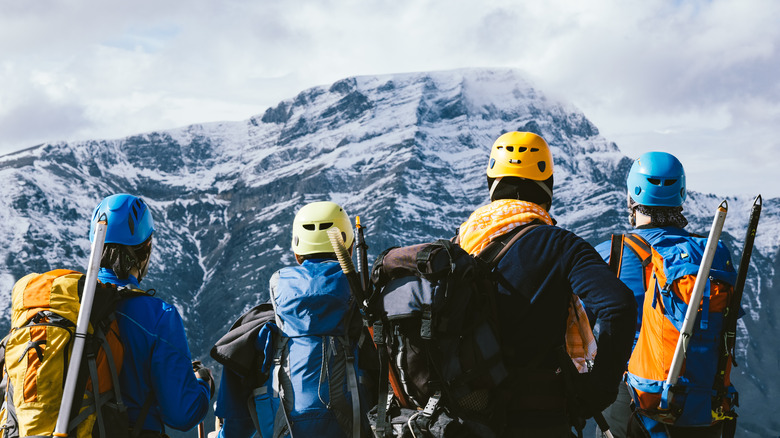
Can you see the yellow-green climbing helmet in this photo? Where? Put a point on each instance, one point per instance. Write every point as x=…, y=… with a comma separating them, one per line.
x=311, y=224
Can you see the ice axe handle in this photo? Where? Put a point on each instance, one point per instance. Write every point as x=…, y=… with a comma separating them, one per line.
x=82, y=325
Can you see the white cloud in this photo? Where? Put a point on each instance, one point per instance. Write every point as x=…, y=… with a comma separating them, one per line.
x=697, y=78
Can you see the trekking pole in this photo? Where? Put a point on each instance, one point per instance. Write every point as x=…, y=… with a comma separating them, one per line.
x=348, y=267
x=686, y=330
x=603, y=425
x=361, y=249
x=202, y=429
x=82, y=326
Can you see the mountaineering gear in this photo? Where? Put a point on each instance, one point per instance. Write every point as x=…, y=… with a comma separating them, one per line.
x=522, y=154
x=45, y=310
x=439, y=328
x=237, y=351
x=303, y=378
x=85, y=310
x=520, y=163
x=157, y=364
x=359, y=285
x=311, y=224
x=541, y=272
x=361, y=254
x=129, y=234
x=676, y=259
x=702, y=279
x=129, y=220
x=657, y=179
x=314, y=371
x=726, y=356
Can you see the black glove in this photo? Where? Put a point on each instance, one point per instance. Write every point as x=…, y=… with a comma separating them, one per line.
x=204, y=374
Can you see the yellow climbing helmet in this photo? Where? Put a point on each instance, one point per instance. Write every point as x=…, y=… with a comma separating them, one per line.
x=311, y=224
x=520, y=154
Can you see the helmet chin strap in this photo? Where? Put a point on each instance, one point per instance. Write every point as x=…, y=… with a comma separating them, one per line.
x=493, y=186
x=545, y=188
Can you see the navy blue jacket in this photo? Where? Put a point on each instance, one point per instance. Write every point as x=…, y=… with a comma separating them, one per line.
x=157, y=362
x=544, y=268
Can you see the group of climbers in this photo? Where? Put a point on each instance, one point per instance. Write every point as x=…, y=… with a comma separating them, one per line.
x=307, y=363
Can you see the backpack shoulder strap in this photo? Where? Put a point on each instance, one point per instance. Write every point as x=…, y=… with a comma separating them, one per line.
x=643, y=251
x=496, y=249
x=616, y=253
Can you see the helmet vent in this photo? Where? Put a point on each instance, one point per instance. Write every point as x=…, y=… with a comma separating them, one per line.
x=310, y=227
x=510, y=148
x=654, y=181
x=135, y=213
x=533, y=149
x=541, y=165
x=326, y=225
x=669, y=182
x=130, y=223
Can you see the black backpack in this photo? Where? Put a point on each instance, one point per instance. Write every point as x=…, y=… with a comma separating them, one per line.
x=436, y=329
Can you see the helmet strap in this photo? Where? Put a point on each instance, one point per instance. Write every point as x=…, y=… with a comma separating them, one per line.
x=541, y=184
x=494, y=186
x=545, y=188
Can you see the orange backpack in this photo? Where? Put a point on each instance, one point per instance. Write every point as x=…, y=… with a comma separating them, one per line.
x=45, y=309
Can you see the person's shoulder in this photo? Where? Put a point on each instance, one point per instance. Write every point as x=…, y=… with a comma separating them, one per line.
x=555, y=232
x=146, y=306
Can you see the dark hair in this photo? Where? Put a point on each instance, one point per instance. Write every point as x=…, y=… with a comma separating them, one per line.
x=659, y=216
x=123, y=258
x=512, y=187
x=319, y=255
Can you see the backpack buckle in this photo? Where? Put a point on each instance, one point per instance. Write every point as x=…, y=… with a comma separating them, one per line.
x=433, y=402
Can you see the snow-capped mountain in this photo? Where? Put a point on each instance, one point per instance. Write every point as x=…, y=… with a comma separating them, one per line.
x=406, y=152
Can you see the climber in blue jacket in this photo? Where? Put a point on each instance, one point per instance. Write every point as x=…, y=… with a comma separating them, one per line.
x=157, y=381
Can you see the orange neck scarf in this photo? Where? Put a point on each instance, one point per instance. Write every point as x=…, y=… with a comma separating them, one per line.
x=497, y=218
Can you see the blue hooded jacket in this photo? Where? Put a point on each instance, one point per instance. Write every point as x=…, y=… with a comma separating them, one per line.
x=157, y=362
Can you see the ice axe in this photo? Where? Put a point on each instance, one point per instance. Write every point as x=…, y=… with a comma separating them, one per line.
x=82, y=326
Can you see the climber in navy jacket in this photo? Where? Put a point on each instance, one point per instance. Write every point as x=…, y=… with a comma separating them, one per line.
x=540, y=273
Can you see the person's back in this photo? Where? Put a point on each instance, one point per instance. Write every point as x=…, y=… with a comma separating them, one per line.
x=540, y=272
x=308, y=382
x=656, y=192
x=157, y=369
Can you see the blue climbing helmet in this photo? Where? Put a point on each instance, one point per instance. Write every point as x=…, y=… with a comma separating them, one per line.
x=129, y=220
x=657, y=179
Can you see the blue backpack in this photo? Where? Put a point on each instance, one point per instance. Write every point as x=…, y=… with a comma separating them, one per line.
x=313, y=386
x=674, y=261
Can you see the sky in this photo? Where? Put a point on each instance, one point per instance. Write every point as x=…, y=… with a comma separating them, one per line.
x=699, y=79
